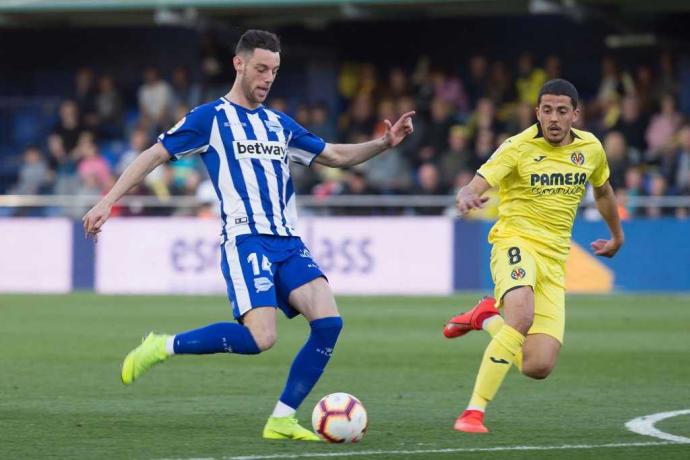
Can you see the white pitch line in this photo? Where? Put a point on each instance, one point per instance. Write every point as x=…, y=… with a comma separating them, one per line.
x=363, y=453
x=645, y=425
x=641, y=425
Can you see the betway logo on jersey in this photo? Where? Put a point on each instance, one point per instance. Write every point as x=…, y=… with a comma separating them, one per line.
x=262, y=150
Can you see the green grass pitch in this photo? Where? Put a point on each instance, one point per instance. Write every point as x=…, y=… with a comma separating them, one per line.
x=61, y=396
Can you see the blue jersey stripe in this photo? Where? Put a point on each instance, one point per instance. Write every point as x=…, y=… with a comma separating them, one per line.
x=260, y=174
x=278, y=169
x=236, y=172
x=212, y=163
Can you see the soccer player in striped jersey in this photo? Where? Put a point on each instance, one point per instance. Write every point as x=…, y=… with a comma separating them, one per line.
x=247, y=148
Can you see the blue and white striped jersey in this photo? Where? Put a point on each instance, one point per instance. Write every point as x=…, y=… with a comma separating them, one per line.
x=247, y=154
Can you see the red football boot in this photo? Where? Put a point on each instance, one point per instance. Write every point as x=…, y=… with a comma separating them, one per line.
x=471, y=421
x=472, y=319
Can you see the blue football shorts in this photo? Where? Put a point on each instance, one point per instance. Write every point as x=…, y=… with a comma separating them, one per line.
x=262, y=270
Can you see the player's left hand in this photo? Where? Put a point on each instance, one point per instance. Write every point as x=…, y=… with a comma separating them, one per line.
x=402, y=128
x=606, y=248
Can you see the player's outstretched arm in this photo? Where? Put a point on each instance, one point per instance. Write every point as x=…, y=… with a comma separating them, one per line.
x=146, y=162
x=470, y=196
x=345, y=155
x=606, y=203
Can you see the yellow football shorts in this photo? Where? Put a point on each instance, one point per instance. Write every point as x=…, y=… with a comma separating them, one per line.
x=515, y=263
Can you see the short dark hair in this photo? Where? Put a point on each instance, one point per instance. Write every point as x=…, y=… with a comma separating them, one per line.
x=559, y=87
x=253, y=38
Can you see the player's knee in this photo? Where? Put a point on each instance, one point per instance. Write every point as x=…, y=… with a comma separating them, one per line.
x=264, y=338
x=538, y=371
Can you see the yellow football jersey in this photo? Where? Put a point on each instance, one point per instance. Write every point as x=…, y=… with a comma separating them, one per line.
x=541, y=186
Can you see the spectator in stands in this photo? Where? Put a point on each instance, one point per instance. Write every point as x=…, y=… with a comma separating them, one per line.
x=412, y=144
x=388, y=172
x=484, y=117
x=476, y=83
x=85, y=97
x=614, y=84
x=360, y=118
x=664, y=124
x=631, y=124
x=674, y=162
x=368, y=80
x=303, y=115
x=93, y=170
x=501, y=88
x=68, y=126
x=644, y=88
x=449, y=88
x=552, y=67
x=185, y=92
x=619, y=158
x=398, y=84
x=657, y=189
x=423, y=86
x=684, y=85
x=63, y=167
x=483, y=147
x=429, y=183
x=667, y=80
x=682, y=179
x=216, y=66
x=320, y=122
x=155, y=98
x=34, y=173
x=109, y=107
x=530, y=79
x=458, y=157
x=523, y=117
x=437, y=130
x=138, y=142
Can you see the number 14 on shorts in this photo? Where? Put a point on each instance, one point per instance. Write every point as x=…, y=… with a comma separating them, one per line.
x=253, y=259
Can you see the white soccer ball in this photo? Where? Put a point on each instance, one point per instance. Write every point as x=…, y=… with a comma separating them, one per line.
x=340, y=417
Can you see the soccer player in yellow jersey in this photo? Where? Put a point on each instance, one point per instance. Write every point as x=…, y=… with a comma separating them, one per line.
x=541, y=174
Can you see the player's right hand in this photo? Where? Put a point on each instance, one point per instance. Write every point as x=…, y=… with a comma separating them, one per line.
x=467, y=199
x=95, y=218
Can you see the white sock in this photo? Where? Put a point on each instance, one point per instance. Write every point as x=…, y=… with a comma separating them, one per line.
x=282, y=410
x=170, y=345
x=477, y=408
x=487, y=320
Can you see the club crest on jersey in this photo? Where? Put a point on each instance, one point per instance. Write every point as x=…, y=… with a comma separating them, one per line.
x=260, y=150
x=273, y=126
x=518, y=274
x=578, y=158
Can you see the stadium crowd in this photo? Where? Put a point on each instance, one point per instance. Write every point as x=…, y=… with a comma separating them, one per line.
x=461, y=118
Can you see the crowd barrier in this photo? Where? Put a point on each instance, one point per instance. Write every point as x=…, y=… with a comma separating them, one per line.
x=360, y=255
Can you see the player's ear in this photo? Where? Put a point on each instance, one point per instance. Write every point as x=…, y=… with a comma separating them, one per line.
x=238, y=63
x=576, y=114
x=536, y=112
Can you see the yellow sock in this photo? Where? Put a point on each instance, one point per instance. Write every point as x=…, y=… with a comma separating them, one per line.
x=494, y=325
x=498, y=357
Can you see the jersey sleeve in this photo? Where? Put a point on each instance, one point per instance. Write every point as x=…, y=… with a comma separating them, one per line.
x=601, y=173
x=500, y=164
x=303, y=146
x=190, y=135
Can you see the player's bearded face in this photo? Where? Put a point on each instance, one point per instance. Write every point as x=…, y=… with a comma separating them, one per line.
x=257, y=72
x=556, y=116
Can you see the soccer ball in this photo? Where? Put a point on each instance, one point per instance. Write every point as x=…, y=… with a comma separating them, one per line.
x=340, y=417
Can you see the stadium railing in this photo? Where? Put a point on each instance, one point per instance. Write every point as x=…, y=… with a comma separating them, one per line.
x=304, y=201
